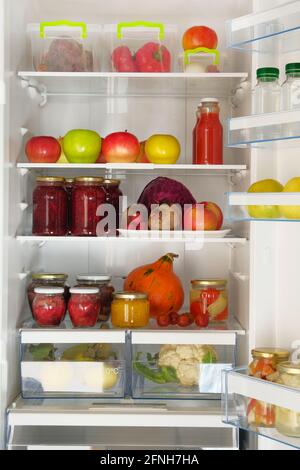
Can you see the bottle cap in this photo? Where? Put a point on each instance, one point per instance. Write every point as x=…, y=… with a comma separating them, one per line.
x=268, y=72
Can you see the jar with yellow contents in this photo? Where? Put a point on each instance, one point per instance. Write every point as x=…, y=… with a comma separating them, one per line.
x=288, y=421
x=130, y=310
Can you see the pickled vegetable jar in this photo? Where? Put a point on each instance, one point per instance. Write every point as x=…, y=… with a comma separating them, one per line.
x=50, y=207
x=209, y=297
x=84, y=307
x=113, y=195
x=130, y=310
x=87, y=196
x=103, y=283
x=49, y=306
x=288, y=421
x=47, y=280
x=264, y=366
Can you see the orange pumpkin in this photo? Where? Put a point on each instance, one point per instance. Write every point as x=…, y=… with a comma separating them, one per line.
x=159, y=281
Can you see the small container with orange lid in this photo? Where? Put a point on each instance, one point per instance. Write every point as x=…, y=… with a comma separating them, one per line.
x=130, y=310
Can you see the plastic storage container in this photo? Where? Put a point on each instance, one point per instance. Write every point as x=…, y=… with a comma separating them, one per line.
x=140, y=47
x=201, y=60
x=267, y=93
x=64, y=46
x=72, y=364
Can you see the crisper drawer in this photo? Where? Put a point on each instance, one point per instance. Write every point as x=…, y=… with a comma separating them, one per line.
x=73, y=364
x=268, y=409
x=185, y=365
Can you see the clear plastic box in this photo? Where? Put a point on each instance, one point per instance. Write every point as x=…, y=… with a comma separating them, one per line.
x=200, y=60
x=65, y=46
x=140, y=47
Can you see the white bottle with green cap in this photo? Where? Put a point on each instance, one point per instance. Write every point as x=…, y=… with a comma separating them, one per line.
x=290, y=94
x=267, y=93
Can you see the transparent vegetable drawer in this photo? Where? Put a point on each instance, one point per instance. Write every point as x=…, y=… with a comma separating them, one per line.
x=64, y=46
x=263, y=407
x=140, y=47
x=180, y=365
x=73, y=364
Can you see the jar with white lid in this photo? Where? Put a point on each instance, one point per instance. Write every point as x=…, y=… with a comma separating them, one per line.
x=84, y=306
x=49, y=306
x=103, y=283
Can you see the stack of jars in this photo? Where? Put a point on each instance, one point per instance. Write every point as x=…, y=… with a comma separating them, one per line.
x=73, y=206
x=88, y=302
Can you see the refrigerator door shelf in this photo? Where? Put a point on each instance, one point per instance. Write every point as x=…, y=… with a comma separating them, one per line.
x=240, y=391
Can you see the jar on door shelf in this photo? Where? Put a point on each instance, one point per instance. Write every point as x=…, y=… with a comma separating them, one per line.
x=50, y=207
x=208, y=138
x=47, y=280
x=113, y=195
x=264, y=366
x=130, y=310
x=84, y=307
x=87, y=196
x=209, y=297
x=290, y=91
x=103, y=283
x=287, y=421
x=49, y=306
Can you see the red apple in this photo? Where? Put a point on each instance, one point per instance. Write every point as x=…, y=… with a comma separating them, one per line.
x=199, y=218
x=142, y=158
x=211, y=206
x=121, y=147
x=200, y=36
x=43, y=150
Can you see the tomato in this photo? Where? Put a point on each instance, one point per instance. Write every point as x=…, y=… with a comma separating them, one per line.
x=202, y=321
x=153, y=57
x=184, y=320
x=200, y=36
x=163, y=320
x=174, y=317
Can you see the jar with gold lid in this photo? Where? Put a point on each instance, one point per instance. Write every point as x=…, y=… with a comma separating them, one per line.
x=130, y=310
x=288, y=421
x=209, y=297
x=47, y=280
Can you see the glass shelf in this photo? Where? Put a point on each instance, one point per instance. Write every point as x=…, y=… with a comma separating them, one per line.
x=240, y=390
x=240, y=206
x=263, y=31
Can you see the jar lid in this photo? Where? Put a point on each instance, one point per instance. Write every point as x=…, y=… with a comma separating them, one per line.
x=131, y=296
x=84, y=290
x=209, y=283
x=49, y=277
x=289, y=368
x=268, y=72
x=49, y=291
x=292, y=68
x=209, y=100
x=69, y=180
x=89, y=179
x=111, y=182
x=93, y=277
x=50, y=179
x=270, y=353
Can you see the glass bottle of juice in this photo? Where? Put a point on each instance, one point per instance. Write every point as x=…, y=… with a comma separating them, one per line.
x=198, y=114
x=209, y=134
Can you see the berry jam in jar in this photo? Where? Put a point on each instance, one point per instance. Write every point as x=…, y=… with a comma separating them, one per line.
x=69, y=186
x=50, y=208
x=113, y=195
x=84, y=307
x=49, y=306
x=87, y=196
x=47, y=280
x=103, y=283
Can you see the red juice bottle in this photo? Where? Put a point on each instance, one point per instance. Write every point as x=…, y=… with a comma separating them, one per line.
x=209, y=134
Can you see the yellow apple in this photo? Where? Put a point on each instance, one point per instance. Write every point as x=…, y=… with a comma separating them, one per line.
x=265, y=212
x=63, y=159
x=291, y=212
x=162, y=149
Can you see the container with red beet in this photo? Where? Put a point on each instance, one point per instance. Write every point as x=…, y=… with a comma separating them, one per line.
x=103, y=283
x=84, y=307
x=49, y=306
x=47, y=280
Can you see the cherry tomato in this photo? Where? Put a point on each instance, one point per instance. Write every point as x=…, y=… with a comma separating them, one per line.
x=202, y=321
x=184, y=320
x=163, y=320
x=174, y=317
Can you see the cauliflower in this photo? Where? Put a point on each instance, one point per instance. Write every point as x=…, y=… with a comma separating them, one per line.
x=185, y=359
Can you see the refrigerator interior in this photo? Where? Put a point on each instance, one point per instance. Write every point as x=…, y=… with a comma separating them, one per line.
x=266, y=307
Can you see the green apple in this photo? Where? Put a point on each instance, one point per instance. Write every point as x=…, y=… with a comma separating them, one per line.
x=265, y=212
x=291, y=212
x=82, y=146
x=63, y=159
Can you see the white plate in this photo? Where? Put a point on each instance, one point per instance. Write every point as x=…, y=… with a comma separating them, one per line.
x=166, y=234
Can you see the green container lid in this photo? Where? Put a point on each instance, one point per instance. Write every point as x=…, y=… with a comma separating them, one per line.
x=268, y=72
x=292, y=68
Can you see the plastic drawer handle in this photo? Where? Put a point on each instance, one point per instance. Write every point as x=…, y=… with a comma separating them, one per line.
x=201, y=49
x=70, y=24
x=146, y=24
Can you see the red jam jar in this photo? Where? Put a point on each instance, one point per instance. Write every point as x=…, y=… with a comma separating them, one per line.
x=87, y=196
x=50, y=207
x=69, y=186
x=84, y=307
x=113, y=195
x=103, y=283
x=49, y=306
x=47, y=280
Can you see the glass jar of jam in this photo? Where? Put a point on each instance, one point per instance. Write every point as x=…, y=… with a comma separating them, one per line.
x=264, y=366
x=84, y=307
x=288, y=421
x=50, y=207
x=209, y=298
x=113, y=195
x=49, y=306
x=69, y=185
x=103, y=283
x=87, y=196
x=130, y=310
x=47, y=280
